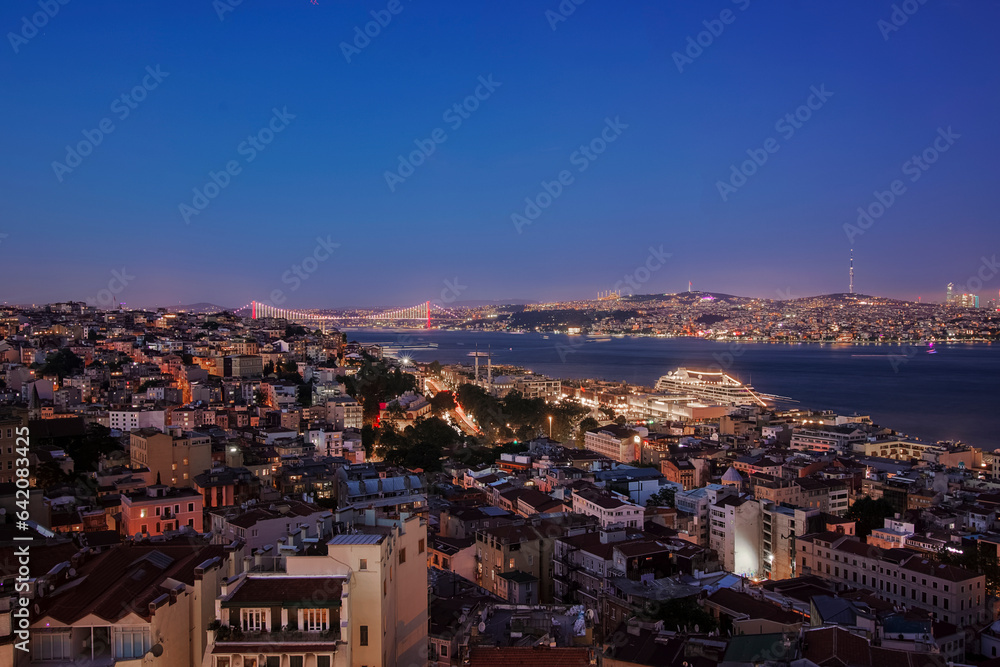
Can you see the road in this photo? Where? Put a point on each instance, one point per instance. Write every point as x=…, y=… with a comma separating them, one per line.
x=458, y=414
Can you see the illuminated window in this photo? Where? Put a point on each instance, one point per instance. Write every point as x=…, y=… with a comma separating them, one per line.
x=253, y=619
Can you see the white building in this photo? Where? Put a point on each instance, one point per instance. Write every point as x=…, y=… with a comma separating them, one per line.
x=610, y=511
x=133, y=419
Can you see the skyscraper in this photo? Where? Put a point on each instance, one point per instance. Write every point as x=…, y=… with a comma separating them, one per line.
x=950, y=296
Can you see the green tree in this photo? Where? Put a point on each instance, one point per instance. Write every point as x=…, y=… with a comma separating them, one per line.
x=585, y=425
x=305, y=394
x=869, y=514
x=442, y=402
x=662, y=498
x=63, y=363
x=49, y=474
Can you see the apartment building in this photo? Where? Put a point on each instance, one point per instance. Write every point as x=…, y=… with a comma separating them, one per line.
x=9, y=425
x=609, y=511
x=362, y=602
x=159, y=508
x=262, y=525
x=827, y=495
x=129, y=603
x=242, y=366
x=172, y=459
x=734, y=531
x=515, y=548
x=696, y=503
x=841, y=439
x=344, y=412
x=615, y=442
x=135, y=419
x=899, y=576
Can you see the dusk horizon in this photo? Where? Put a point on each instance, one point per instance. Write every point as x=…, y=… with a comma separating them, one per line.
x=753, y=145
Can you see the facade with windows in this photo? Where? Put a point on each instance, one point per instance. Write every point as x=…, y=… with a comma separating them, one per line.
x=130, y=603
x=899, y=576
x=158, y=509
x=360, y=601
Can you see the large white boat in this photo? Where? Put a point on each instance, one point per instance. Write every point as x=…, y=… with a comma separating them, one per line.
x=715, y=387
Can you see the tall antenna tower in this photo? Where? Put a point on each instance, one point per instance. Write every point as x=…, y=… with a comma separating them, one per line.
x=852, y=271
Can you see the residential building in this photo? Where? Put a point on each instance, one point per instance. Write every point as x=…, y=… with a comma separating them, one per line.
x=158, y=509
x=899, y=576
x=615, y=442
x=171, y=459
x=609, y=511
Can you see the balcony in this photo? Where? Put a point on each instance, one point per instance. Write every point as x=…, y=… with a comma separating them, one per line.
x=226, y=635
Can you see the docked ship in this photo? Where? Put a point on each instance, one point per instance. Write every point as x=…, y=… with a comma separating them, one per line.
x=715, y=387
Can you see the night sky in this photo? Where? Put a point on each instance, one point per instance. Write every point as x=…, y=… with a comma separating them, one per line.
x=661, y=120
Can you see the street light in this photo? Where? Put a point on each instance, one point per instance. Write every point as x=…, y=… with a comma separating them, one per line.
x=550, y=427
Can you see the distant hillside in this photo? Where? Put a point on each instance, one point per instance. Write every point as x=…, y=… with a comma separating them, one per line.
x=198, y=308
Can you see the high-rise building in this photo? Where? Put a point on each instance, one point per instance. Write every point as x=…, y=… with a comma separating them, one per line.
x=950, y=297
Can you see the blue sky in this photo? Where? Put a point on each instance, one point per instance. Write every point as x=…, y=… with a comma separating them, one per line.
x=656, y=184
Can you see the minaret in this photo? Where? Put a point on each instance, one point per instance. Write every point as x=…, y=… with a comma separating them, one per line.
x=852, y=271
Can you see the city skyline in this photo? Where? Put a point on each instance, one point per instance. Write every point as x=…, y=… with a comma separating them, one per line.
x=393, y=169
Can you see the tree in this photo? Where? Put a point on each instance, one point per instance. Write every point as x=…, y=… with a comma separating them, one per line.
x=662, y=498
x=269, y=368
x=442, y=402
x=869, y=514
x=49, y=474
x=63, y=363
x=587, y=424
x=305, y=394
x=435, y=368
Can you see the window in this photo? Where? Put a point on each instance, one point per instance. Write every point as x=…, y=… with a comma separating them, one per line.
x=222, y=661
x=402, y=555
x=364, y=635
x=142, y=513
x=131, y=641
x=272, y=661
x=444, y=650
x=143, y=528
x=420, y=546
x=190, y=507
x=51, y=645
x=253, y=619
x=322, y=661
x=511, y=563
x=315, y=620
x=364, y=564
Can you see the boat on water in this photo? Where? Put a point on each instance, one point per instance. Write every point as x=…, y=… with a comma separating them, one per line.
x=717, y=387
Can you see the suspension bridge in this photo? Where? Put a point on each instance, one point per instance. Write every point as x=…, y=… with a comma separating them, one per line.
x=421, y=312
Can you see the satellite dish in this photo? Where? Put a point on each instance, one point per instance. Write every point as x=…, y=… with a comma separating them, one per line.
x=157, y=650
x=37, y=608
x=72, y=571
x=482, y=627
x=138, y=536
